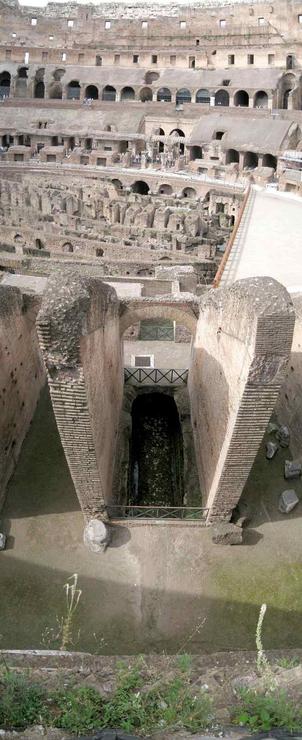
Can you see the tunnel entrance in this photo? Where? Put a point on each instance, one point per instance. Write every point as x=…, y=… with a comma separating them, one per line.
x=156, y=452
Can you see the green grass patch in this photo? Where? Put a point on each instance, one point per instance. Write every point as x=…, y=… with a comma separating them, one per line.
x=143, y=701
x=22, y=702
x=264, y=712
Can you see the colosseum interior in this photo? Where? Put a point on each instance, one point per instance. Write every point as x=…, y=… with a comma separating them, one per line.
x=150, y=316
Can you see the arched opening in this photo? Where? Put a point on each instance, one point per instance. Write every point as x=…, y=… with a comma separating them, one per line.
x=5, y=80
x=202, y=96
x=39, y=90
x=231, y=156
x=55, y=91
x=7, y=140
x=151, y=77
x=58, y=74
x=39, y=244
x=196, y=152
x=23, y=73
x=165, y=189
x=288, y=84
x=269, y=161
x=164, y=95
x=117, y=184
x=127, y=93
x=141, y=187
x=67, y=247
x=73, y=90
x=241, y=99
x=145, y=94
x=156, y=452
x=19, y=239
x=261, y=99
x=99, y=252
x=92, y=92
x=222, y=98
x=183, y=96
x=290, y=61
x=250, y=160
x=177, y=132
x=109, y=93
x=21, y=83
x=189, y=193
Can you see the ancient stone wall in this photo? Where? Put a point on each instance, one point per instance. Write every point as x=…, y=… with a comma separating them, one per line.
x=289, y=406
x=79, y=334
x=21, y=375
x=242, y=345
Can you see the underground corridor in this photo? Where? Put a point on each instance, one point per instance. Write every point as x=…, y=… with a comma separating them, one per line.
x=156, y=452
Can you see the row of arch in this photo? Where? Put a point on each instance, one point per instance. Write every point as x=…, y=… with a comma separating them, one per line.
x=109, y=93
x=142, y=188
x=250, y=159
x=183, y=95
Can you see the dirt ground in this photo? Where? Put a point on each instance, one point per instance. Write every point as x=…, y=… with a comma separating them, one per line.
x=157, y=588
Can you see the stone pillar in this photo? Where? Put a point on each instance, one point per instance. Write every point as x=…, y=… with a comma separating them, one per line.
x=78, y=328
x=242, y=345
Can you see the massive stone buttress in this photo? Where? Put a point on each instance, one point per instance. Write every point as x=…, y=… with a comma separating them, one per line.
x=78, y=328
x=242, y=345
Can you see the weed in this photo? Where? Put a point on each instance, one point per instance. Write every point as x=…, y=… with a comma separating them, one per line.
x=73, y=595
x=184, y=662
x=263, y=712
x=157, y=706
x=21, y=703
x=62, y=636
x=77, y=709
x=263, y=664
x=143, y=702
x=289, y=662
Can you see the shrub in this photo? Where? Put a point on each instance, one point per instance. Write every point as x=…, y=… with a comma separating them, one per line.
x=267, y=711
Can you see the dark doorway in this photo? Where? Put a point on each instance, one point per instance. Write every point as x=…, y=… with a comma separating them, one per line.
x=156, y=455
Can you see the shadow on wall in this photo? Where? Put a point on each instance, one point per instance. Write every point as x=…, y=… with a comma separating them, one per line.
x=211, y=437
x=41, y=483
x=122, y=619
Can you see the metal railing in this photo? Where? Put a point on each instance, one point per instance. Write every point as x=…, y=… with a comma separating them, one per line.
x=155, y=375
x=185, y=513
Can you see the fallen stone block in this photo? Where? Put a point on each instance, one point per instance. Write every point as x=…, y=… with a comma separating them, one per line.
x=241, y=514
x=287, y=501
x=2, y=541
x=271, y=449
x=292, y=469
x=283, y=436
x=226, y=533
x=96, y=535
